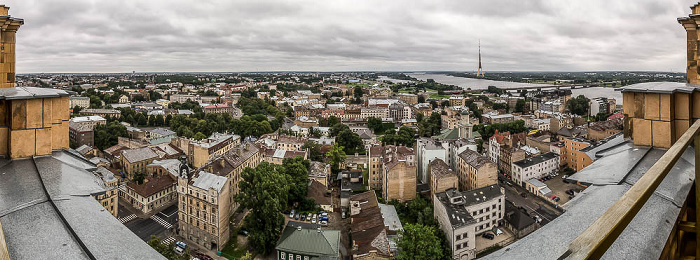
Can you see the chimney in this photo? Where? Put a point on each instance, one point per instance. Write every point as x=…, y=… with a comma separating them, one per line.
x=690, y=24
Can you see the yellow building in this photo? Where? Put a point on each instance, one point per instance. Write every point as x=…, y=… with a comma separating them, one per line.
x=231, y=166
x=442, y=177
x=204, y=206
x=135, y=160
x=475, y=171
x=109, y=199
x=201, y=152
x=154, y=193
x=572, y=155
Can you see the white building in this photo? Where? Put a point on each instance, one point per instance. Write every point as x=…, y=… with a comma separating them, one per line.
x=428, y=150
x=464, y=215
x=87, y=122
x=534, y=167
x=82, y=102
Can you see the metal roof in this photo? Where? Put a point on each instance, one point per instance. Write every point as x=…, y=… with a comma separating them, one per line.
x=46, y=204
x=611, y=176
x=30, y=92
x=208, y=181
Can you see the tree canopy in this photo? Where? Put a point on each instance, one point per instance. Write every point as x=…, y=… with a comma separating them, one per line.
x=419, y=242
x=578, y=105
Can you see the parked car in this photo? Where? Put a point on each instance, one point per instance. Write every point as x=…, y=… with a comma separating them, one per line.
x=488, y=236
x=323, y=223
x=243, y=232
x=296, y=217
x=524, y=195
x=324, y=214
x=303, y=217
x=201, y=256
x=178, y=250
x=556, y=199
x=181, y=244
x=291, y=215
x=323, y=218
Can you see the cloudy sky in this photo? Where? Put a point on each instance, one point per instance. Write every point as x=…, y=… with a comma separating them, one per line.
x=340, y=35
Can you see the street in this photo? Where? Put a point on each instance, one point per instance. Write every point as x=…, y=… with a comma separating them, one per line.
x=161, y=224
x=534, y=205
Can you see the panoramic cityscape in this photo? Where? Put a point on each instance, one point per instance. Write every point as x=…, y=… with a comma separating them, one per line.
x=349, y=130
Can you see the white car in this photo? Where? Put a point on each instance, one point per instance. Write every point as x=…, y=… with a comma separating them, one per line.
x=323, y=223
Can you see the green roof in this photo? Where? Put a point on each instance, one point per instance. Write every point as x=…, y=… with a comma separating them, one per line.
x=448, y=134
x=324, y=244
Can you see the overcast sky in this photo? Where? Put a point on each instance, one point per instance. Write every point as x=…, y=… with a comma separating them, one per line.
x=338, y=35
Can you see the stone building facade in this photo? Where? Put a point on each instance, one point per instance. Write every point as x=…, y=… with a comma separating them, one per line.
x=475, y=171
x=204, y=206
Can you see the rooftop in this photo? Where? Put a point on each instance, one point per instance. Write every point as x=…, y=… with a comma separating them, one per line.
x=152, y=185
x=139, y=154
x=536, y=160
x=206, y=181
x=610, y=177
x=46, y=202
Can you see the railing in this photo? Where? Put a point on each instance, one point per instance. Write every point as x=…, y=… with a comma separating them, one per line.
x=597, y=238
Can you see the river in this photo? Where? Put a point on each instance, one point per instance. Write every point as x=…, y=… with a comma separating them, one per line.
x=476, y=84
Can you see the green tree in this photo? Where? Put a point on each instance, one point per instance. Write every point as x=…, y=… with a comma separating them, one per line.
x=264, y=190
x=297, y=170
x=351, y=141
x=199, y=136
x=107, y=135
x=374, y=124
x=77, y=109
x=419, y=242
x=160, y=120
x=332, y=120
x=337, y=157
x=520, y=106
x=141, y=119
x=152, y=121
x=314, y=151
x=139, y=177
x=578, y=105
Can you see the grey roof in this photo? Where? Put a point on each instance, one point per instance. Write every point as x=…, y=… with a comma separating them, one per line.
x=162, y=131
x=106, y=175
x=458, y=215
x=171, y=165
x=83, y=149
x=644, y=238
x=139, y=154
x=324, y=244
x=517, y=218
x=391, y=218
x=535, y=160
x=604, y=144
x=476, y=196
x=662, y=87
x=30, y=92
x=46, y=202
x=208, y=181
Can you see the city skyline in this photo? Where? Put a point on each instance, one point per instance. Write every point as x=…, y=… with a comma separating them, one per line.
x=176, y=36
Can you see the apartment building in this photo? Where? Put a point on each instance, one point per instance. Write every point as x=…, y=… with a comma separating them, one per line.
x=508, y=156
x=204, y=207
x=200, y=152
x=428, y=150
x=377, y=112
x=572, y=155
x=77, y=101
x=231, y=166
x=154, y=193
x=464, y=215
x=475, y=171
x=110, y=199
x=392, y=169
x=442, y=177
x=102, y=112
x=135, y=160
x=534, y=168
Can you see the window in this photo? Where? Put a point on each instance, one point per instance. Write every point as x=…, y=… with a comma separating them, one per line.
x=298, y=257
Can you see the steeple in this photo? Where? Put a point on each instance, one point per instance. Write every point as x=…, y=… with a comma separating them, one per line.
x=480, y=71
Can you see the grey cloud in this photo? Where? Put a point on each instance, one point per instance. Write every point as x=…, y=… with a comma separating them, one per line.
x=265, y=35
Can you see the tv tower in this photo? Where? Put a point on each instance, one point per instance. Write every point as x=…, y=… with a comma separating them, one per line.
x=480, y=71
